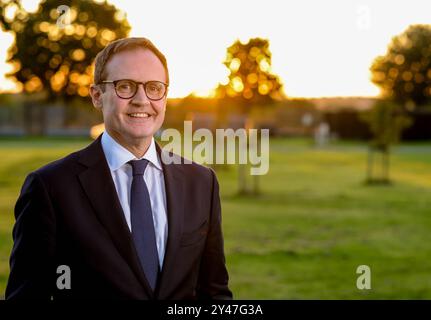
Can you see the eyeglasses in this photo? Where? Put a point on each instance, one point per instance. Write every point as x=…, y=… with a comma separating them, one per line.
x=127, y=89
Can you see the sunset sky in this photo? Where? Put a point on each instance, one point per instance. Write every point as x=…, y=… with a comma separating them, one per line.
x=320, y=48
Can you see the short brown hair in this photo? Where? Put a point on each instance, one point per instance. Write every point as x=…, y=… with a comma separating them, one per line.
x=121, y=45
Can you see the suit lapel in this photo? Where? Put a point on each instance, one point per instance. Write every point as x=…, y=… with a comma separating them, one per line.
x=174, y=186
x=97, y=182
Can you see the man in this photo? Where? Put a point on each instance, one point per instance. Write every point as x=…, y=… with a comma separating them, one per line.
x=113, y=220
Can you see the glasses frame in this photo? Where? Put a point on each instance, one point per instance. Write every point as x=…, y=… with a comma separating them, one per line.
x=144, y=84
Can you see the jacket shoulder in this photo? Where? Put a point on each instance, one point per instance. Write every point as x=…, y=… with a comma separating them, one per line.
x=61, y=167
x=192, y=169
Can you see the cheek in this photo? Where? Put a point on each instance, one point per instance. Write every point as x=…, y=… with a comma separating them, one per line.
x=161, y=109
x=114, y=108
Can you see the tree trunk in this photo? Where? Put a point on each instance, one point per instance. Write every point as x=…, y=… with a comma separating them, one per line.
x=385, y=165
x=256, y=185
x=370, y=164
x=242, y=179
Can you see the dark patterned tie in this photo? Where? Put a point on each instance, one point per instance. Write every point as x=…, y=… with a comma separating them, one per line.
x=141, y=218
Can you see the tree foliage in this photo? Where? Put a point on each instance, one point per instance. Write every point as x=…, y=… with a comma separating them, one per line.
x=404, y=72
x=251, y=80
x=54, y=56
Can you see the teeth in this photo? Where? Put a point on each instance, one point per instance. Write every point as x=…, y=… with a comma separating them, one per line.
x=139, y=115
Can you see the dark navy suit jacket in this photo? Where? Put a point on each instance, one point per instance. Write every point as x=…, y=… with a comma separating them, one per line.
x=68, y=213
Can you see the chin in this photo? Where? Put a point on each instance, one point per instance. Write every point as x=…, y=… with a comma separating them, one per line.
x=137, y=132
x=141, y=136
x=144, y=135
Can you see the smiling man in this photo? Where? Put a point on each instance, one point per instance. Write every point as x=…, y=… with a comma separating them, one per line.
x=123, y=224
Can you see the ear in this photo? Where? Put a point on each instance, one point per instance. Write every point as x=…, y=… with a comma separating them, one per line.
x=96, y=96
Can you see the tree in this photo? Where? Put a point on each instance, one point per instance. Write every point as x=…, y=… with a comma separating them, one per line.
x=251, y=84
x=404, y=72
x=58, y=59
x=404, y=77
x=55, y=46
x=386, y=120
x=251, y=81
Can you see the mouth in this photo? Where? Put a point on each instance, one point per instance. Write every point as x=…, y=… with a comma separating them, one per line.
x=141, y=115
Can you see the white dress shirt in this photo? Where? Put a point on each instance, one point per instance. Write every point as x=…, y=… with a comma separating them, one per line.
x=117, y=157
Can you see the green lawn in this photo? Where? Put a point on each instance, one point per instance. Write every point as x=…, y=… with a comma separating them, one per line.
x=304, y=237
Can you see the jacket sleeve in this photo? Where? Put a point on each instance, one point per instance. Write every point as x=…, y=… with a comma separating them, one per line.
x=213, y=275
x=32, y=273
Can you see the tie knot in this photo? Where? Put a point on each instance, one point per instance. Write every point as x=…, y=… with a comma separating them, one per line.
x=138, y=166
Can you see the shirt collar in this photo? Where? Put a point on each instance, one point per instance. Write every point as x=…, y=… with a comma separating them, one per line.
x=117, y=155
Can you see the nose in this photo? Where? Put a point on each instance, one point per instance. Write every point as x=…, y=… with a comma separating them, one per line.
x=140, y=96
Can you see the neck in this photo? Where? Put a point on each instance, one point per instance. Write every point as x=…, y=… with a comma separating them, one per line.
x=138, y=147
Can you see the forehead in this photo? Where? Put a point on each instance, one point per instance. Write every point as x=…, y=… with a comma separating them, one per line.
x=136, y=64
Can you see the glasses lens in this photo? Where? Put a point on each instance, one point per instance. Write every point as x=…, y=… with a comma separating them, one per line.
x=125, y=88
x=155, y=90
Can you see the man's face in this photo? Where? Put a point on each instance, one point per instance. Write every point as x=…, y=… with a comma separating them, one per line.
x=123, y=117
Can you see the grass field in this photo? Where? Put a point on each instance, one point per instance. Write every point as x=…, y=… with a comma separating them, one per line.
x=314, y=223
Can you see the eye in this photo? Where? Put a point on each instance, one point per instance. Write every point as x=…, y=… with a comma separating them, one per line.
x=125, y=86
x=154, y=87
